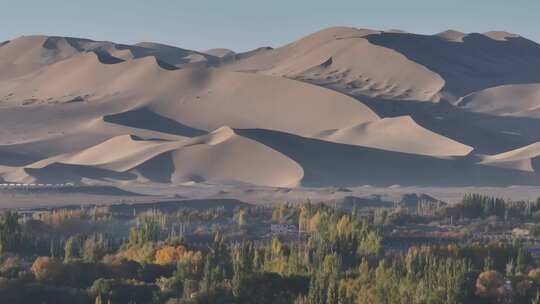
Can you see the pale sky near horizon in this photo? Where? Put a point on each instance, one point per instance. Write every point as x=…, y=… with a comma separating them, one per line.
x=243, y=25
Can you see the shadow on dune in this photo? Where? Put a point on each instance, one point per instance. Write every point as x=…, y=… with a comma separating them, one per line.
x=328, y=164
x=477, y=63
x=15, y=159
x=106, y=58
x=158, y=169
x=171, y=57
x=167, y=57
x=58, y=173
x=144, y=118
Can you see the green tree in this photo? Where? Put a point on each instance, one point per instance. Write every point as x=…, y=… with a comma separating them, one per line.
x=10, y=232
x=95, y=247
x=73, y=248
x=536, y=299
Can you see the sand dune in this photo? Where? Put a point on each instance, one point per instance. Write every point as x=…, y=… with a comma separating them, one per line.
x=397, y=134
x=452, y=35
x=343, y=59
x=243, y=100
x=189, y=95
x=182, y=102
x=220, y=156
x=77, y=139
x=403, y=66
x=514, y=100
x=524, y=159
x=473, y=63
x=227, y=157
x=254, y=52
x=501, y=35
x=118, y=154
x=173, y=55
x=28, y=53
x=331, y=164
x=224, y=55
x=340, y=107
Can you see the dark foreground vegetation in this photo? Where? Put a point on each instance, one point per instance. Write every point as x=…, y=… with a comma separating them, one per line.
x=481, y=250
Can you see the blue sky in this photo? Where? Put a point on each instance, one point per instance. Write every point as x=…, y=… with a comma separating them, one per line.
x=242, y=25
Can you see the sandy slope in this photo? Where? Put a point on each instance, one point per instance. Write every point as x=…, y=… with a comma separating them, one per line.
x=224, y=55
x=404, y=66
x=342, y=58
x=509, y=100
x=452, y=35
x=332, y=164
x=236, y=99
x=524, y=159
x=241, y=100
x=76, y=110
x=471, y=62
x=119, y=153
x=220, y=156
x=397, y=134
x=28, y=53
x=224, y=156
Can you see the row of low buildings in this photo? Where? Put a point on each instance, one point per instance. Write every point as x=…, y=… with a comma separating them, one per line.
x=283, y=228
x=15, y=185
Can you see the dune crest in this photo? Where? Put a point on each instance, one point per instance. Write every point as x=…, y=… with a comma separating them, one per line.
x=463, y=64
x=452, y=35
x=509, y=100
x=400, y=134
x=525, y=159
x=386, y=74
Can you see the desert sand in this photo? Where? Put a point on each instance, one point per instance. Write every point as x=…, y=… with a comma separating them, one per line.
x=342, y=107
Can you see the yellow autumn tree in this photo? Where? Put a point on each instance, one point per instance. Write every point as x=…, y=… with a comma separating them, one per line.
x=366, y=295
x=314, y=222
x=174, y=254
x=303, y=218
x=343, y=227
x=46, y=268
x=140, y=253
x=490, y=284
x=534, y=274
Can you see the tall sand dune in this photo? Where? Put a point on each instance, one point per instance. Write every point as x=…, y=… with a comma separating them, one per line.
x=340, y=107
x=343, y=59
x=507, y=100
x=475, y=63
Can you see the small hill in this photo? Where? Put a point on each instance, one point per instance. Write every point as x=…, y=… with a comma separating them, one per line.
x=397, y=134
x=524, y=159
x=508, y=100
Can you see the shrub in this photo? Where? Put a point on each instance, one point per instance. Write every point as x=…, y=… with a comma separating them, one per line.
x=47, y=269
